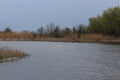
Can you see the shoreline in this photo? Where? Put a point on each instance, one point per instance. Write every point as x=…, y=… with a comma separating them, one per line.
x=112, y=41
x=9, y=59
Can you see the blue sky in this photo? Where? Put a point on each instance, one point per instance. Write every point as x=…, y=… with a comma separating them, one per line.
x=31, y=14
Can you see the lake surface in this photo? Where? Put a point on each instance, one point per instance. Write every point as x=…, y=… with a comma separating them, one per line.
x=63, y=61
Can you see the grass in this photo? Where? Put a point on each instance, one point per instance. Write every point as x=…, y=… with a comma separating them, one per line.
x=99, y=38
x=9, y=54
x=27, y=36
x=96, y=37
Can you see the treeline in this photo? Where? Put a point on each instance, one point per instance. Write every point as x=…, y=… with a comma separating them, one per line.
x=49, y=31
x=107, y=23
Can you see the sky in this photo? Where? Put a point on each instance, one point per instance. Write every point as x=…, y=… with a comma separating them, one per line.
x=32, y=14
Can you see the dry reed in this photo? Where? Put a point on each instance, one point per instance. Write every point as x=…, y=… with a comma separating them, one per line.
x=6, y=53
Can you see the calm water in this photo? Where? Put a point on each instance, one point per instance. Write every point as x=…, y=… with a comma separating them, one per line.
x=63, y=61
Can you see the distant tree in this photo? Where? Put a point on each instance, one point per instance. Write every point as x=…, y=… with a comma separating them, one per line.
x=80, y=30
x=67, y=31
x=111, y=21
x=7, y=29
x=40, y=30
x=108, y=23
x=74, y=30
x=95, y=24
x=57, y=32
x=50, y=29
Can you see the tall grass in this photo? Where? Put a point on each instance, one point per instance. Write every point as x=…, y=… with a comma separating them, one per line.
x=7, y=53
x=96, y=37
x=27, y=36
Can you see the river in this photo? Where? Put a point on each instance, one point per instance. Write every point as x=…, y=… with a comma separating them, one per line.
x=62, y=61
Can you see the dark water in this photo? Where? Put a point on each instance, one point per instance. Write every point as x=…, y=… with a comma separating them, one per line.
x=63, y=61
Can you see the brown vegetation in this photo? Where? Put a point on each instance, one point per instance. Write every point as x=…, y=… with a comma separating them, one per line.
x=99, y=38
x=9, y=54
x=28, y=36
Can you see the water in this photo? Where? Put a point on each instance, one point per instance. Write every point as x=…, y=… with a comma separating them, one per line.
x=63, y=61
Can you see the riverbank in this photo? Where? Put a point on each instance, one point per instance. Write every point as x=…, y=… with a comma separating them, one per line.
x=113, y=41
x=97, y=38
x=7, y=54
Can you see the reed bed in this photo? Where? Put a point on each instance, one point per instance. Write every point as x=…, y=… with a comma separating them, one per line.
x=8, y=53
x=88, y=37
x=96, y=37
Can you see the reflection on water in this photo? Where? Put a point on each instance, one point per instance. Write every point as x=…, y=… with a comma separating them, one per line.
x=63, y=61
